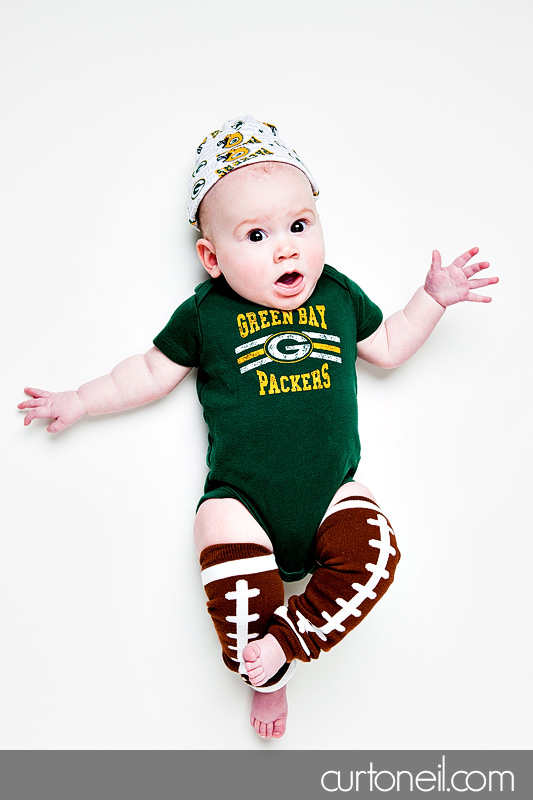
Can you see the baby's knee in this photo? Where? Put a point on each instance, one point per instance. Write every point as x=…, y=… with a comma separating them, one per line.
x=356, y=534
x=352, y=489
x=361, y=490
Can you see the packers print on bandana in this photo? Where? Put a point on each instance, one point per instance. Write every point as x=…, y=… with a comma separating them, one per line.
x=240, y=141
x=288, y=347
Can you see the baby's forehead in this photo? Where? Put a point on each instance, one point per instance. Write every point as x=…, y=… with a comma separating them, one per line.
x=251, y=174
x=248, y=180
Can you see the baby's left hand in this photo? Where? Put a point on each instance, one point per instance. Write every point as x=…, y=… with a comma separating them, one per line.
x=449, y=285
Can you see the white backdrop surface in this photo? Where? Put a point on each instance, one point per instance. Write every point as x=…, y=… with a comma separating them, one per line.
x=416, y=120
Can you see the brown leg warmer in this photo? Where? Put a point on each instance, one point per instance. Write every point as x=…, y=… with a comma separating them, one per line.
x=357, y=557
x=244, y=589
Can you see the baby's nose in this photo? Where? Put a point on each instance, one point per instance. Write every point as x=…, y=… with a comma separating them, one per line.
x=286, y=248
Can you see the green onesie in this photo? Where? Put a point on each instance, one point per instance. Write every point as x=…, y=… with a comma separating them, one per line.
x=279, y=393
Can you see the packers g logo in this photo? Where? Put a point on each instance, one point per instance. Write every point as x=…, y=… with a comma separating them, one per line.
x=200, y=166
x=233, y=155
x=197, y=187
x=282, y=347
x=231, y=141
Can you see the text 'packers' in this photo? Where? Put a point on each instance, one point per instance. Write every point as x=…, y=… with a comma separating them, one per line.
x=305, y=382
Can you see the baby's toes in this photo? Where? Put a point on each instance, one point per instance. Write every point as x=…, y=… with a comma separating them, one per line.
x=251, y=653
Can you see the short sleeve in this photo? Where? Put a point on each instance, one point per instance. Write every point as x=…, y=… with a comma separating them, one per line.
x=180, y=339
x=368, y=315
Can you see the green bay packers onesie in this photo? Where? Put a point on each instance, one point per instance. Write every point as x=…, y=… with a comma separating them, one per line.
x=278, y=389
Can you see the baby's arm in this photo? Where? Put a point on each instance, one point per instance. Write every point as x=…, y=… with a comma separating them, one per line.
x=400, y=336
x=134, y=382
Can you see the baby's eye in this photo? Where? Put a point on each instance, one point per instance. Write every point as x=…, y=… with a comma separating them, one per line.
x=256, y=235
x=299, y=226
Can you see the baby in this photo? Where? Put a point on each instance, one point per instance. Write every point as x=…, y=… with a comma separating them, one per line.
x=274, y=334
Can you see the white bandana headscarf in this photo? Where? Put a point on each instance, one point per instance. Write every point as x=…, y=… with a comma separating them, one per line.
x=239, y=142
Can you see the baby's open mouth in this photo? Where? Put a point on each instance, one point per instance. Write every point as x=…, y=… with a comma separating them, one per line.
x=289, y=278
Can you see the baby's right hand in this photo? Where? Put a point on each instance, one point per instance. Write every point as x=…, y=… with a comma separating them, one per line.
x=65, y=408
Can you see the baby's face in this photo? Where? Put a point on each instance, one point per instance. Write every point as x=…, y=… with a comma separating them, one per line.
x=264, y=235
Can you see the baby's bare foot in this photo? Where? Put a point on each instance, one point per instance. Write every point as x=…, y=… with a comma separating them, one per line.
x=263, y=659
x=269, y=713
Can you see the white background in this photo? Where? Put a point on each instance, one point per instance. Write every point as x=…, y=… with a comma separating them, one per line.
x=415, y=118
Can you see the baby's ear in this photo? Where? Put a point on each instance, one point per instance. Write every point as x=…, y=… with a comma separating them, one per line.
x=208, y=257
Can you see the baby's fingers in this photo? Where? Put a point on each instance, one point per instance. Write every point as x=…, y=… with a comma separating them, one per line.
x=36, y=392
x=35, y=403
x=471, y=269
x=436, y=261
x=477, y=283
x=461, y=260
x=478, y=298
x=39, y=412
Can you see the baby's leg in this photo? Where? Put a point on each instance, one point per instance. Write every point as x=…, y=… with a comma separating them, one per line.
x=226, y=521
x=243, y=587
x=357, y=556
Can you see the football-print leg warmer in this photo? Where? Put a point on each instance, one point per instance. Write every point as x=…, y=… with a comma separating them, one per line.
x=357, y=557
x=243, y=588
